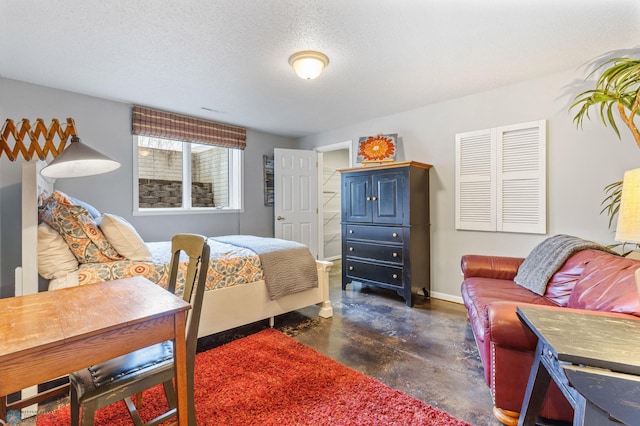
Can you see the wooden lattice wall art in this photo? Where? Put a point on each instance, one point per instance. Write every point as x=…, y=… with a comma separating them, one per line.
x=24, y=132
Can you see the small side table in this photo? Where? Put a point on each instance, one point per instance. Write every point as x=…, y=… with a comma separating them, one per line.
x=579, y=351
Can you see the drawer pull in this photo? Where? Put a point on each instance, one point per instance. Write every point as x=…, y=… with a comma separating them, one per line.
x=351, y=231
x=351, y=249
x=351, y=268
x=368, y=198
x=395, y=235
x=374, y=198
x=395, y=276
x=395, y=254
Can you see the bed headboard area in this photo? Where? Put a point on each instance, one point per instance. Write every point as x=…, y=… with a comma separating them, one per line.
x=71, y=232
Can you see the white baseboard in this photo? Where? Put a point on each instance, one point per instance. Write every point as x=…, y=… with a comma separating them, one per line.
x=447, y=297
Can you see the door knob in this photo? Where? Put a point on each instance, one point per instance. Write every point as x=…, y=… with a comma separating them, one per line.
x=279, y=217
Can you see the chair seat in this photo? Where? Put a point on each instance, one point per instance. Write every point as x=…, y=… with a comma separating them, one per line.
x=97, y=379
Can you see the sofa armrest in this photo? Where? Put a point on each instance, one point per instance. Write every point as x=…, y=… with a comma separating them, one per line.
x=504, y=328
x=498, y=267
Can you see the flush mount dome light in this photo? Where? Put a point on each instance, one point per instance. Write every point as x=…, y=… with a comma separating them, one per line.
x=308, y=64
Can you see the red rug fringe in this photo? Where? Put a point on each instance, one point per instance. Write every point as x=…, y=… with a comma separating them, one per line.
x=269, y=378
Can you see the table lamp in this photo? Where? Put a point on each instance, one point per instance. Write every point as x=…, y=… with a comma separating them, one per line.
x=628, y=228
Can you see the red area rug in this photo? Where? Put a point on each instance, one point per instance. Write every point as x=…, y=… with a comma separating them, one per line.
x=269, y=378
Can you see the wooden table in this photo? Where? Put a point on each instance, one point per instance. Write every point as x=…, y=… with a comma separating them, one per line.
x=587, y=349
x=51, y=334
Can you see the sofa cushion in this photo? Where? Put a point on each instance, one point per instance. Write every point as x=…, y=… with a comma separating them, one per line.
x=607, y=284
x=562, y=282
x=547, y=258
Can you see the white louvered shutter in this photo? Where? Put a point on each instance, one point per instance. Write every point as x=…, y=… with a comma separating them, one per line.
x=501, y=179
x=521, y=177
x=475, y=181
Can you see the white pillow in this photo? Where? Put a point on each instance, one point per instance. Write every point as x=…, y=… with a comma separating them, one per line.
x=55, y=260
x=124, y=238
x=69, y=280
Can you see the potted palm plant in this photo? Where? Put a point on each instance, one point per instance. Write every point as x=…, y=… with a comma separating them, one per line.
x=616, y=93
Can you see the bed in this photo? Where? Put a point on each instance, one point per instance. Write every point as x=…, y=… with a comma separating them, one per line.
x=246, y=280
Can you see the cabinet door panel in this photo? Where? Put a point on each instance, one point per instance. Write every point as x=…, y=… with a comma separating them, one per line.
x=356, y=199
x=388, y=197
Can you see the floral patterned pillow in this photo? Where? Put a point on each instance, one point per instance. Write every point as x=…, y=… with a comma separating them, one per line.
x=49, y=204
x=81, y=233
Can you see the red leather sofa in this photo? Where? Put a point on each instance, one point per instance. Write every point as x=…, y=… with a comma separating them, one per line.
x=593, y=280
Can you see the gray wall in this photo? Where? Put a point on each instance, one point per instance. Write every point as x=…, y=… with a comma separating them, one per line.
x=580, y=164
x=105, y=125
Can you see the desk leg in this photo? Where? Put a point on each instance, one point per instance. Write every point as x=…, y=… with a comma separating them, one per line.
x=537, y=386
x=180, y=363
x=587, y=414
x=3, y=408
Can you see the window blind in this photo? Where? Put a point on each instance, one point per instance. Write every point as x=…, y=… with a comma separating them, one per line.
x=161, y=124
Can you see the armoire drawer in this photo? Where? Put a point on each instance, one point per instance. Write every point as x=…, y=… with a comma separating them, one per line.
x=389, y=234
x=382, y=252
x=374, y=272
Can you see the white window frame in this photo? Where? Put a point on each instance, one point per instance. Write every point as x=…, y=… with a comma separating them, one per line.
x=501, y=179
x=236, y=186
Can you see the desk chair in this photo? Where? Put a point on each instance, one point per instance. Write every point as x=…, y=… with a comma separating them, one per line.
x=121, y=378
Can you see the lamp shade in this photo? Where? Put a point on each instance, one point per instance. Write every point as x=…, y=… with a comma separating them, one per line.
x=308, y=64
x=628, y=228
x=79, y=160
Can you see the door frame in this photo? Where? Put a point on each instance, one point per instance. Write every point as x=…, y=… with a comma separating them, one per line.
x=348, y=144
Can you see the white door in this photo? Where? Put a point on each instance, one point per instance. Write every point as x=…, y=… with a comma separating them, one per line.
x=296, y=197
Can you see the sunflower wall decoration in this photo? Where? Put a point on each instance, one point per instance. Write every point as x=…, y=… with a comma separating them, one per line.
x=377, y=149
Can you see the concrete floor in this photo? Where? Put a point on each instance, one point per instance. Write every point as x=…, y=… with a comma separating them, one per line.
x=426, y=351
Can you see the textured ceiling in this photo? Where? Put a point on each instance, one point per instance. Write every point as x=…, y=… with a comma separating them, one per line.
x=230, y=56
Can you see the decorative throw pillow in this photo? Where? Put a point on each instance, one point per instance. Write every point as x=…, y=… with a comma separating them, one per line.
x=80, y=231
x=124, y=238
x=95, y=213
x=51, y=203
x=55, y=260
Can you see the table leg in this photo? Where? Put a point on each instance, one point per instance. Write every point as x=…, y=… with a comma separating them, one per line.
x=3, y=408
x=180, y=364
x=587, y=414
x=537, y=386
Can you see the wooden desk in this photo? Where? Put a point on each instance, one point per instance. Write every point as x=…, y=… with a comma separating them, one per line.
x=580, y=346
x=54, y=333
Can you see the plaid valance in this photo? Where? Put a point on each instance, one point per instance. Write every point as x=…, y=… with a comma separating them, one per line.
x=162, y=124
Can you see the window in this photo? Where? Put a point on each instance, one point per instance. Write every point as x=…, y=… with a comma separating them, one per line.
x=184, y=163
x=183, y=176
x=501, y=179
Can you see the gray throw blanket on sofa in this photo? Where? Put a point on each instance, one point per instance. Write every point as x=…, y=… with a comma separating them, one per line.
x=288, y=266
x=547, y=258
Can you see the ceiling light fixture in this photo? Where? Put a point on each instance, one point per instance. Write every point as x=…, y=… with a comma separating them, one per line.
x=308, y=64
